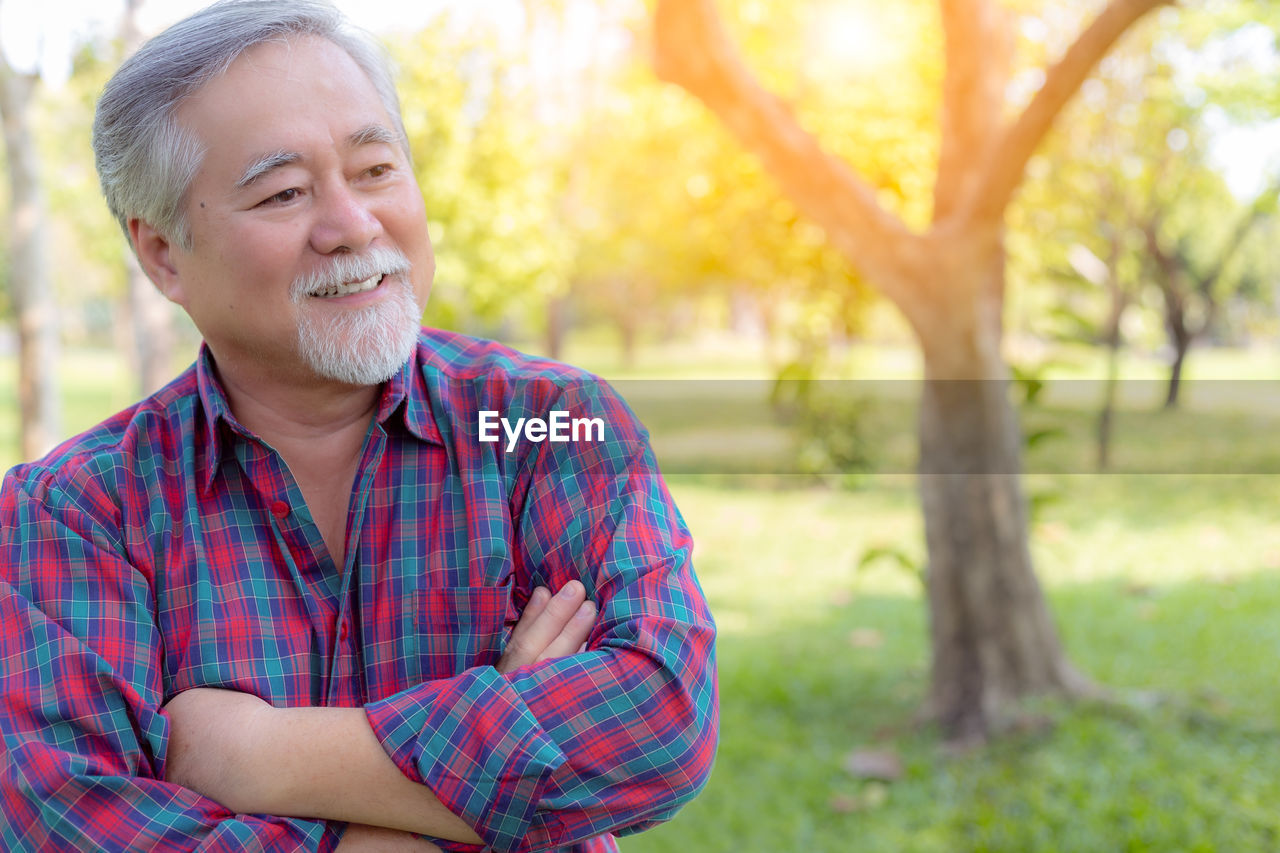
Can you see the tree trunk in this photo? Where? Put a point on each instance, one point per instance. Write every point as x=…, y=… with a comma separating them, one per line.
x=1181, y=344
x=1175, y=325
x=1119, y=303
x=628, y=334
x=993, y=638
x=31, y=289
x=557, y=325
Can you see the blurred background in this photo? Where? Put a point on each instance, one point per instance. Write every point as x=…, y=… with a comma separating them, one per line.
x=586, y=210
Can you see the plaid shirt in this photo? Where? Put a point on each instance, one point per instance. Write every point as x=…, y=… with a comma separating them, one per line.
x=169, y=548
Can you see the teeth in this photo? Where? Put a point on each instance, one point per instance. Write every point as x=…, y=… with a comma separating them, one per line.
x=350, y=287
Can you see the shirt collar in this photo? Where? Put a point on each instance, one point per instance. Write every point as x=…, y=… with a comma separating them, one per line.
x=405, y=391
x=213, y=402
x=409, y=387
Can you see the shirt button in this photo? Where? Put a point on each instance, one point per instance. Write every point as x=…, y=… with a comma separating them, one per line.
x=342, y=631
x=279, y=509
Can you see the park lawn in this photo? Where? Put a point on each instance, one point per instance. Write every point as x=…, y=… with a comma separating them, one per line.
x=1164, y=587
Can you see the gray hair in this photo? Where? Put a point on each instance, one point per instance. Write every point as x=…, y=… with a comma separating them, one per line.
x=146, y=161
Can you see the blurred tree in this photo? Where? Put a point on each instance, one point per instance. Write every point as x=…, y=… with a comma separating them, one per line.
x=1128, y=176
x=1073, y=229
x=88, y=269
x=30, y=291
x=491, y=195
x=993, y=638
x=150, y=327
x=1192, y=278
x=565, y=102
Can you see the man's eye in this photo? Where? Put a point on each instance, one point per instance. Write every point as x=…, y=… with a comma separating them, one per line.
x=281, y=197
x=379, y=170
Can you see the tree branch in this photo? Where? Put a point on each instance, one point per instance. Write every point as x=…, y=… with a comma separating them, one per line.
x=1007, y=161
x=979, y=47
x=692, y=50
x=1264, y=200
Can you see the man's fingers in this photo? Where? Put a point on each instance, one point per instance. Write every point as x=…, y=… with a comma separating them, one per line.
x=573, y=636
x=532, y=610
x=522, y=647
x=551, y=626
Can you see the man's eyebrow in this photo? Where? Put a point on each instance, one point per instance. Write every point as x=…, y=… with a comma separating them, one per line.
x=373, y=133
x=265, y=164
x=370, y=134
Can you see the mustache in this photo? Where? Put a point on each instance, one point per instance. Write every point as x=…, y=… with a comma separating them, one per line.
x=382, y=260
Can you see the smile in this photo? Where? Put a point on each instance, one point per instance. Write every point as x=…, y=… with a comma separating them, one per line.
x=350, y=287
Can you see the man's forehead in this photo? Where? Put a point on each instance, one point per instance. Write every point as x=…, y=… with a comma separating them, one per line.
x=277, y=99
x=266, y=79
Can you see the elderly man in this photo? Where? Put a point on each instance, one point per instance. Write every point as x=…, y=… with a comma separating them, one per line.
x=295, y=600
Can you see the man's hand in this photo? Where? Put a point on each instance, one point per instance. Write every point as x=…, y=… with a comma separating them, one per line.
x=550, y=627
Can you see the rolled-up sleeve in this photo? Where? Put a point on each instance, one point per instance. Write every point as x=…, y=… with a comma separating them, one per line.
x=612, y=740
x=80, y=695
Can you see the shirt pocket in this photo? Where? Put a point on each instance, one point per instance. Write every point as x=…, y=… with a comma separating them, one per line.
x=460, y=627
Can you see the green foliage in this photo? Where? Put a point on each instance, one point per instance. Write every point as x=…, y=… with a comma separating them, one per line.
x=1133, y=151
x=1243, y=37
x=896, y=557
x=491, y=193
x=87, y=246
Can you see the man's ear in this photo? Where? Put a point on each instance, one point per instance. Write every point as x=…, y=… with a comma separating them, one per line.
x=155, y=255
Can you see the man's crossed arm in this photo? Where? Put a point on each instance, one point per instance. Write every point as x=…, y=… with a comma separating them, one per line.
x=327, y=763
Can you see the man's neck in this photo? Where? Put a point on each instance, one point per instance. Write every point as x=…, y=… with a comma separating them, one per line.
x=311, y=414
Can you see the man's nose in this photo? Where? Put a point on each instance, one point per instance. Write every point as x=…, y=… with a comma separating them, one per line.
x=345, y=221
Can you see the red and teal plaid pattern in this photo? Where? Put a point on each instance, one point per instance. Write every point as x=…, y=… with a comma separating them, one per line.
x=169, y=548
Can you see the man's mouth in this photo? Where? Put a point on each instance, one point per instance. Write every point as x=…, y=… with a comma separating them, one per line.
x=350, y=287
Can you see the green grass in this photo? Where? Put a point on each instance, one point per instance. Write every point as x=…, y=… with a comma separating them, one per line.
x=1165, y=588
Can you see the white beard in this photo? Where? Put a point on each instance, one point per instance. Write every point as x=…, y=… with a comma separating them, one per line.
x=364, y=346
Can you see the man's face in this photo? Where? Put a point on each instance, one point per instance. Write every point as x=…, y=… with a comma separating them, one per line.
x=310, y=254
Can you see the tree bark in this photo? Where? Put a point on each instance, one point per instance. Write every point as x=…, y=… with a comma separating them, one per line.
x=1181, y=344
x=993, y=640
x=29, y=282
x=1106, y=275
x=1007, y=162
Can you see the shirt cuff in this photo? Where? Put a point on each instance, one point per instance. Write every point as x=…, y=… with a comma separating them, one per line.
x=472, y=740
